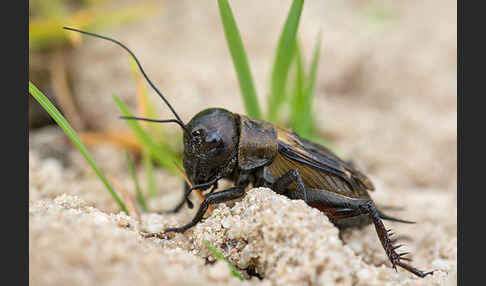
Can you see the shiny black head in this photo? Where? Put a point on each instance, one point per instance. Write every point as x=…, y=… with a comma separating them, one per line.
x=210, y=145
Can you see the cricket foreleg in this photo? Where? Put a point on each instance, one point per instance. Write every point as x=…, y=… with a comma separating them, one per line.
x=214, y=198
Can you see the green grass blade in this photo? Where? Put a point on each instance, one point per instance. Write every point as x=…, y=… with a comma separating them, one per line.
x=220, y=256
x=283, y=59
x=155, y=130
x=309, y=91
x=297, y=102
x=308, y=120
x=161, y=155
x=69, y=131
x=138, y=190
x=149, y=169
x=302, y=117
x=240, y=60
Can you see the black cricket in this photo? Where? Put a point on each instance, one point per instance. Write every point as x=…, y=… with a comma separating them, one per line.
x=219, y=144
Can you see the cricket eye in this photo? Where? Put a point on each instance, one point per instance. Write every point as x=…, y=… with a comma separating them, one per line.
x=196, y=133
x=197, y=136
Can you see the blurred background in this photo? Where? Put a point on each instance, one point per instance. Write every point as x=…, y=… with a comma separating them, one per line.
x=385, y=92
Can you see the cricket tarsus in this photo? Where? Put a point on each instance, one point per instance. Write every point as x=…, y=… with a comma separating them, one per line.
x=152, y=234
x=384, y=236
x=414, y=270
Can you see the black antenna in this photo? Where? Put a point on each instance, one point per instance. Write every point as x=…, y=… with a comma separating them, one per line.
x=157, y=120
x=139, y=66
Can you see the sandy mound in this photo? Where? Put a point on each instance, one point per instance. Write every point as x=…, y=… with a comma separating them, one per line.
x=284, y=241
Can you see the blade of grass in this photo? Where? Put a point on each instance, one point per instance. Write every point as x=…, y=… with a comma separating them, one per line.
x=283, y=59
x=297, y=101
x=145, y=106
x=138, y=190
x=149, y=169
x=116, y=138
x=309, y=90
x=126, y=197
x=240, y=60
x=220, y=256
x=59, y=79
x=302, y=117
x=68, y=130
x=160, y=154
x=146, y=109
x=308, y=118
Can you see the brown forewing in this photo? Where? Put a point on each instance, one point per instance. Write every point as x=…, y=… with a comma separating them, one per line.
x=318, y=166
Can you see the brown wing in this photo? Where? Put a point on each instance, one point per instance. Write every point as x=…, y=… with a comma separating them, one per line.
x=319, y=167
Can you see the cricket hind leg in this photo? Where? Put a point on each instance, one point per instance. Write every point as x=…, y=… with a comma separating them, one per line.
x=343, y=207
x=280, y=186
x=387, y=243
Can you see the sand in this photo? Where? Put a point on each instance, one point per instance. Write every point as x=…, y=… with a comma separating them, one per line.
x=385, y=97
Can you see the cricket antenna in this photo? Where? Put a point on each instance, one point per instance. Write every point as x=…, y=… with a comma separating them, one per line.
x=157, y=120
x=179, y=121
